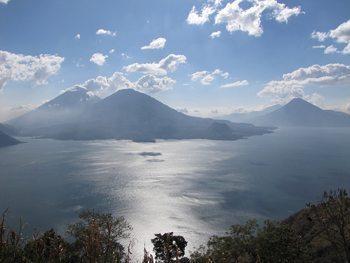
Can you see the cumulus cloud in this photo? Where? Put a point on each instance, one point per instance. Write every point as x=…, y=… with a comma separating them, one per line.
x=153, y=84
x=293, y=84
x=103, y=86
x=330, y=49
x=106, y=32
x=238, y=18
x=200, y=18
x=235, y=84
x=250, y=20
x=161, y=68
x=18, y=67
x=340, y=35
x=98, y=58
x=215, y=34
x=158, y=43
x=206, y=77
x=77, y=36
x=4, y=1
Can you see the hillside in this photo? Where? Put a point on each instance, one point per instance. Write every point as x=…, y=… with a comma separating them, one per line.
x=6, y=140
x=300, y=113
x=63, y=109
x=129, y=114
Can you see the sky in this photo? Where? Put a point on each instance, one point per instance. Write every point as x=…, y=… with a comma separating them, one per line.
x=203, y=57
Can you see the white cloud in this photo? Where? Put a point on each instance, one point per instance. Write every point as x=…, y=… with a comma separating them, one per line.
x=340, y=35
x=158, y=43
x=111, y=51
x=153, y=84
x=196, y=18
x=293, y=84
x=18, y=67
x=242, y=19
x=235, y=84
x=206, y=77
x=104, y=86
x=98, y=58
x=165, y=65
x=106, y=32
x=319, y=46
x=330, y=49
x=320, y=36
x=77, y=36
x=249, y=20
x=4, y=1
x=215, y=34
x=124, y=55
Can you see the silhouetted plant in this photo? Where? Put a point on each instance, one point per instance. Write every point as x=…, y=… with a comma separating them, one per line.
x=169, y=248
x=277, y=242
x=235, y=246
x=332, y=216
x=11, y=242
x=311, y=235
x=48, y=247
x=97, y=237
x=147, y=257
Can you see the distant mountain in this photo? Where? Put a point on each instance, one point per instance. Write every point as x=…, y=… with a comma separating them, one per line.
x=61, y=110
x=248, y=117
x=5, y=128
x=299, y=112
x=128, y=114
x=6, y=140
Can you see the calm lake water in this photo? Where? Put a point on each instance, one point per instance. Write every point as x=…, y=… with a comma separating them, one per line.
x=195, y=188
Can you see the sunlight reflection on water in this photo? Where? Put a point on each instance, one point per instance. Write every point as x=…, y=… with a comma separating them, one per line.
x=192, y=187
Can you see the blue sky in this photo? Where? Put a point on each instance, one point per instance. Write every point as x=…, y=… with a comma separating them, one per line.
x=259, y=42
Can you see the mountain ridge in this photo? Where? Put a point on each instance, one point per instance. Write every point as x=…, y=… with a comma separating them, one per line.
x=301, y=113
x=129, y=114
x=6, y=140
x=64, y=108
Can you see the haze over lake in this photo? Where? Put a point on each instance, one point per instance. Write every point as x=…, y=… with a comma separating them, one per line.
x=192, y=187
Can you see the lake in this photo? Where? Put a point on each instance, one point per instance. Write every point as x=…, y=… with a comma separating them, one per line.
x=195, y=188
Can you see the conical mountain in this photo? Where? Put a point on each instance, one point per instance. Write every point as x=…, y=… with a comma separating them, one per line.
x=299, y=112
x=129, y=114
x=61, y=110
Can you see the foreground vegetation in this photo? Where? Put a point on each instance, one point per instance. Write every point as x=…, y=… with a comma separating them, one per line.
x=318, y=233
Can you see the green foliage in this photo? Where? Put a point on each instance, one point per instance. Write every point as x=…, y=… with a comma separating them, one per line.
x=332, y=218
x=274, y=242
x=319, y=233
x=11, y=242
x=236, y=245
x=168, y=247
x=97, y=237
x=277, y=242
x=48, y=247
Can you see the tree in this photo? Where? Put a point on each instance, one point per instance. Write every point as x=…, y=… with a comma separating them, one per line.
x=168, y=247
x=274, y=242
x=48, y=247
x=332, y=216
x=97, y=237
x=277, y=242
x=236, y=245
